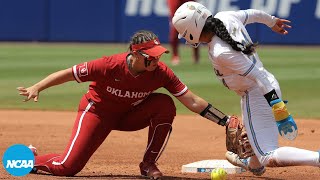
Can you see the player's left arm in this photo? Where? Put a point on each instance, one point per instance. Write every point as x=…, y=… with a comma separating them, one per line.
x=257, y=16
x=53, y=79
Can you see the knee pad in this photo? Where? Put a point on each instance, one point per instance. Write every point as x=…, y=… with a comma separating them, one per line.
x=157, y=141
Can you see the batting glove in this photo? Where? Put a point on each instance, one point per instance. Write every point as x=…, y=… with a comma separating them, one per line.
x=286, y=126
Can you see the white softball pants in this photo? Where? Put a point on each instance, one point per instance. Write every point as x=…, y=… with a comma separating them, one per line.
x=262, y=132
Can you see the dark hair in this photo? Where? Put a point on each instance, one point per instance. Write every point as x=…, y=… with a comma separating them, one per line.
x=216, y=26
x=141, y=37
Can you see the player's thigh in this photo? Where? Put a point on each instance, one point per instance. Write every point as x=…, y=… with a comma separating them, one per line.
x=89, y=131
x=157, y=108
x=259, y=123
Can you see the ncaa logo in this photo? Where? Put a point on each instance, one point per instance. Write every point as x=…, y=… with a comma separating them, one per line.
x=18, y=160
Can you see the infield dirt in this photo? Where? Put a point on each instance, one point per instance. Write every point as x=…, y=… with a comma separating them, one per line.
x=193, y=139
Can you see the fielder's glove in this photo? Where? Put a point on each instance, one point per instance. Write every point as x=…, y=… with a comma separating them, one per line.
x=237, y=139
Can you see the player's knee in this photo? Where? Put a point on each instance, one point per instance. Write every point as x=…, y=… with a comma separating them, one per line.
x=70, y=171
x=73, y=171
x=165, y=105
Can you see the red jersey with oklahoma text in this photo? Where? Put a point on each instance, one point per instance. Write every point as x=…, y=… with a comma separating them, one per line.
x=115, y=87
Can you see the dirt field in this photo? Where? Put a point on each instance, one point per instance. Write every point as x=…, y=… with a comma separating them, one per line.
x=193, y=139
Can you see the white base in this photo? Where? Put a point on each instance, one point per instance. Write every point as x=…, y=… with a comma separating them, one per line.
x=206, y=166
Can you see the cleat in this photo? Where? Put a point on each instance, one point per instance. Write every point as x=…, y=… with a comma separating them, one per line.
x=258, y=171
x=150, y=170
x=33, y=149
x=234, y=159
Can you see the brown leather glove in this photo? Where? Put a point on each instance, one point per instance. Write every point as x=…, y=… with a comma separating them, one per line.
x=236, y=138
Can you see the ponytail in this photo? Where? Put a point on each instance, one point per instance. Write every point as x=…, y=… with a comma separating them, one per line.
x=216, y=26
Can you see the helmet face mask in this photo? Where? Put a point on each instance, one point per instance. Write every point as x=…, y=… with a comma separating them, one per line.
x=189, y=20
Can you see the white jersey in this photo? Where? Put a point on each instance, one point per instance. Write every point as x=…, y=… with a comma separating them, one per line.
x=238, y=71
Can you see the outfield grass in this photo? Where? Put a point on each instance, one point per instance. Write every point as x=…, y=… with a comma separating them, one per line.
x=23, y=64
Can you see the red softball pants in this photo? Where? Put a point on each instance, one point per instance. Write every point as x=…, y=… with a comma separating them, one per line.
x=173, y=5
x=92, y=126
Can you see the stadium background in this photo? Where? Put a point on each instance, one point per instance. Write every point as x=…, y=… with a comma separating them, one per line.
x=39, y=37
x=116, y=20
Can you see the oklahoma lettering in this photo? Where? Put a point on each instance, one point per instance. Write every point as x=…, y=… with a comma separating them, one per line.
x=127, y=94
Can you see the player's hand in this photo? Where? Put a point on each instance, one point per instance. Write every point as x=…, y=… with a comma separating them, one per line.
x=281, y=26
x=30, y=92
x=286, y=126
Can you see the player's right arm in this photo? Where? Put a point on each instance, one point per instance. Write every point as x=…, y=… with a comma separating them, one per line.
x=198, y=105
x=53, y=79
x=192, y=101
x=87, y=71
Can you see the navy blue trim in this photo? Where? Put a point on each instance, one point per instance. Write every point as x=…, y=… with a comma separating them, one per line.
x=251, y=126
x=254, y=61
x=245, y=37
x=252, y=57
x=247, y=16
x=247, y=72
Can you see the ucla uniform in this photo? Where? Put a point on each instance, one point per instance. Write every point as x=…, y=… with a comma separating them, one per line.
x=245, y=75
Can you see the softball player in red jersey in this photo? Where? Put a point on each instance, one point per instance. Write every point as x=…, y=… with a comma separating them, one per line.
x=121, y=97
x=239, y=68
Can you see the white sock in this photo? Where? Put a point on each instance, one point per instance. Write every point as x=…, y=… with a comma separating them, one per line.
x=290, y=156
